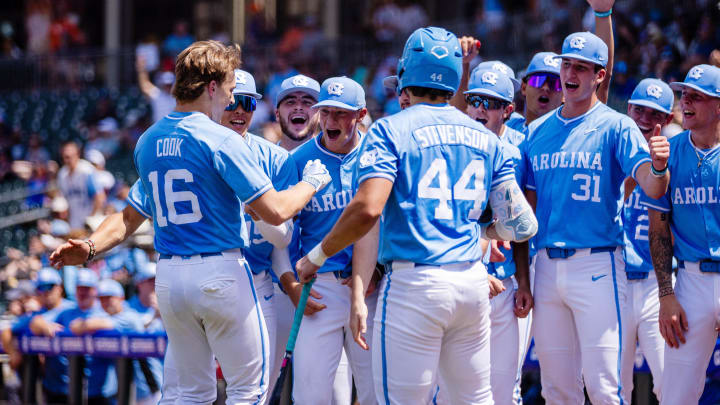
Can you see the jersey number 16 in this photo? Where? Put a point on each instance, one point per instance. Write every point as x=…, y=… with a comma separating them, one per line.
x=173, y=197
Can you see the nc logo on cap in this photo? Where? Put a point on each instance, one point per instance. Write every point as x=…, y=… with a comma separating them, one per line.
x=489, y=77
x=240, y=78
x=335, y=88
x=577, y=42
x=300, y=81
x=696, y=72
x=550, y=61
x=500, y=68
x=654, y=90
x=439, y=51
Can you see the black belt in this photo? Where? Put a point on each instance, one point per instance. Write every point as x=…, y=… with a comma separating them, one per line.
x=560, y=253
x=636, y=275
x=165, y=256
x=706, y=265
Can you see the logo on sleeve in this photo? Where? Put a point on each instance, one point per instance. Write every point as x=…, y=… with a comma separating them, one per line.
x=439, y=51
x=696, y=73
x=577, y=42
x=368, y=158
x=336, y=88
x=654, y=90
x=550, y=61
x=240, y=78
x=300, y=81
x=490, y=78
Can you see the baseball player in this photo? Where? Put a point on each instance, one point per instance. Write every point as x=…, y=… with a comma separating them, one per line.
x=649, y=106
x=489, y=99
x=323, y=335
x=685, y=222
x=433, y=306
x=577, y=158
x=196, y=175
x=541, y=88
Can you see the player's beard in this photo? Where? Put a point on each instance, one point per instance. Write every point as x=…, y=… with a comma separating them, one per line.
x=285, y=128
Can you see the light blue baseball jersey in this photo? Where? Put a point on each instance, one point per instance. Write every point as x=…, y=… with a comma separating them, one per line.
x=517, y=123
x=280, y=167
x=692, y=199
x=443, y=165
x=636, y=225
x=324, y=209
x=505, y=269
x=196, y=174
x=577, y=167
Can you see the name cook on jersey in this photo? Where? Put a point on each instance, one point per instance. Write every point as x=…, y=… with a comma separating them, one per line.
x=168, y=147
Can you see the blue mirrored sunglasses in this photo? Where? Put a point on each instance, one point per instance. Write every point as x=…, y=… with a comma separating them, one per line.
x=248, y=103
x=488, y=103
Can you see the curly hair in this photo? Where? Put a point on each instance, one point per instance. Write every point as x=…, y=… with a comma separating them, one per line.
x=201, y=63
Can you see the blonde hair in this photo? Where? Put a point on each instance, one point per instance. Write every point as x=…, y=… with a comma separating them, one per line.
x=201, y=63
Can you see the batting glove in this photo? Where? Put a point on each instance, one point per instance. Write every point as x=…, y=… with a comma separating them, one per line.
x=316, y=174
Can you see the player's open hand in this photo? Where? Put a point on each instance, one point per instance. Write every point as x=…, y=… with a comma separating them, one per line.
x=601, y=6
x=659, y=149
x=74, y=252
x=673, y=321
x=470, y=48
x=316, y=174
x=496, y=286
x=294, y=290
x=496, y=250
x=523, y=302
x=358, y=320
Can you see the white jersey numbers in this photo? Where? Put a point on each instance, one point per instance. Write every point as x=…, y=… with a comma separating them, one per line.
x=588, y=184
x=173, y=197
x=438, y=169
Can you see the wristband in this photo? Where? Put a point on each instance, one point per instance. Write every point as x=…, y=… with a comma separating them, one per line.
x=603, y=14
x=658, y=173
x=91, y=254
x=316, y=256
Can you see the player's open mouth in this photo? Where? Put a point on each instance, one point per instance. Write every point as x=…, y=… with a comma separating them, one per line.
x=481, y=120
x=333, y=133
x=644, y=129
x=237, y=123
x=543, y=99
x=688, y=113
x=572, y=85
x=298, y=119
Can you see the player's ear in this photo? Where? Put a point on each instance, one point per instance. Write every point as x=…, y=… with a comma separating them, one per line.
x=212, y=88
x=508, y=111
x=669, y=118
x=523, y=86
x=361, y=113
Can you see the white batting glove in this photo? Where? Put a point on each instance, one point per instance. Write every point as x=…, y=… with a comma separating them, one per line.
x=316, y=174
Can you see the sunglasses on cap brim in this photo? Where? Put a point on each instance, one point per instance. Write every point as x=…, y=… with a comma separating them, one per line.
x=487, y=102
x=248, y=103
x=539, y=80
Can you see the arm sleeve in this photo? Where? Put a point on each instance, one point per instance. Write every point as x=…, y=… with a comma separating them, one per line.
x=138, y=199
x=237, y=165
x=631, y=150
x=378, y=156
x=662, y=204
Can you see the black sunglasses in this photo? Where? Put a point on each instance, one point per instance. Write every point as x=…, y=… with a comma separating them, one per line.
x=248, y=103
x=488, y=103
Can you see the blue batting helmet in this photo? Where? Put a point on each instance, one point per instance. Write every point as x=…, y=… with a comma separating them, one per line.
x=432, y=58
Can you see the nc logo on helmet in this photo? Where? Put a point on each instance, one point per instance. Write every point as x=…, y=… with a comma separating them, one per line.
x=696, y=72
x=654, y=90
x=550, y=61
x=489, y=77
x=439, y=51
x=500, y=68
x=336, y=89
x=577, y=42
x=300, y=81
x=240, y=78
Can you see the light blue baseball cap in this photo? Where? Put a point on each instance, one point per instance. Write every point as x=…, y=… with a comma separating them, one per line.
x=298, y=83
x=110, y=288
x=501, y=67
x=653, y=93
x=543, y=62
x=585, y=46
x=47, y=276
x=145, y=271
x=491, y=83
x=703, y=78
x=245, y=84
x=341, y=92
x=86, y=278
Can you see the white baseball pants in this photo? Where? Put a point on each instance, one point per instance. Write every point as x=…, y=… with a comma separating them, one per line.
x=579, y=305
x=320, y=343
x=504, y=344
x=683, y=378
x=525, y=335
x=433, y=319
x=210, y=309
x=642, y=327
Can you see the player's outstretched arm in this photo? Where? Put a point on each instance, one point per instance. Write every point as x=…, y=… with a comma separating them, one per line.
x=42, y=327
x=115, y=229
x=672, y=318
x=87, y=326
x=356, y=220
x=364, y=259
x=276, y=207
x=655, y=182
x=603, y=29
x=516, y=221
x=470, y=48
